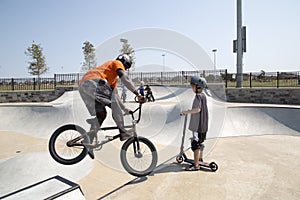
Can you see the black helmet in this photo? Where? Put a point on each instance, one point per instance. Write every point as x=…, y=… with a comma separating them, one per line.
x=198, y=81
x=125, y=60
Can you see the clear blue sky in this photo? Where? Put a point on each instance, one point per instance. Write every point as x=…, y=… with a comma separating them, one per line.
x=61, y=27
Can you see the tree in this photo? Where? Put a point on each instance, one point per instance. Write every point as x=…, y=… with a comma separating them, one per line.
x=89, y=56
x=262, y=75
x=127, y=49
x=37, y=64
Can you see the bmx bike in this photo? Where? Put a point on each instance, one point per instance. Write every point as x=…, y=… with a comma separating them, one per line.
x=70, y=143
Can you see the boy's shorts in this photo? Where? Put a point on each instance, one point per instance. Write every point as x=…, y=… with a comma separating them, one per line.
x=198, y=140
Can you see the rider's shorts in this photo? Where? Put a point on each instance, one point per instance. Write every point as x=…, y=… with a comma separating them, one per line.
x=96, y=94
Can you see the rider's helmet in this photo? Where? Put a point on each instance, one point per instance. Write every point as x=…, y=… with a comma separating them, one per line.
x=199, y=82
x=125, y=60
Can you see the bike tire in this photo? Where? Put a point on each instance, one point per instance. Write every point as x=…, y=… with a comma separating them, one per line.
x=147, y=150
x=72, y=131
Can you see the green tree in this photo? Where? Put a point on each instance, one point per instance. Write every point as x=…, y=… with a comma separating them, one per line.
x=127, y=49
x=262, y=75
x=37, y=64
x=89, y=56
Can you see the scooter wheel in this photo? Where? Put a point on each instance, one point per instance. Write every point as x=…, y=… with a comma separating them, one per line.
x=179, y=159
x=213, y=166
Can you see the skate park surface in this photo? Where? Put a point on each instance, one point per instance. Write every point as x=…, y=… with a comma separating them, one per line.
x=256, y=147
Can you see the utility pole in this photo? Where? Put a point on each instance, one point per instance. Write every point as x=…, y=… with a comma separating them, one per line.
x=239, y=45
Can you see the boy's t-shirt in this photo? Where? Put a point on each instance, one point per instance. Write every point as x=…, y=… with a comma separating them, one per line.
x=199, y=121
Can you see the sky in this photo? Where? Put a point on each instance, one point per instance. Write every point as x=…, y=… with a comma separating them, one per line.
x=62, y=26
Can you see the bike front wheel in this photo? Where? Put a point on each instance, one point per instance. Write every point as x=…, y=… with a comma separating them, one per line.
x=61, y=152
x=138, y=156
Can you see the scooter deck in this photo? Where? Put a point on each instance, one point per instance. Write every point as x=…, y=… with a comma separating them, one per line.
x=204, y=164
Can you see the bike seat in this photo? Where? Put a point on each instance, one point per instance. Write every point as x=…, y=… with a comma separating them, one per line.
x=92, y=121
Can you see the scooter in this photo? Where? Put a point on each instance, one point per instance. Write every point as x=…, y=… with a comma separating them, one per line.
x=183, y=158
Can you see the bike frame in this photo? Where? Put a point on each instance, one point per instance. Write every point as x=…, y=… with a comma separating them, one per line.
x=74, y=142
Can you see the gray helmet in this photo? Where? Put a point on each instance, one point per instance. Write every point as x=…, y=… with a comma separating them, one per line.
x=199, y=82
x=125, y=60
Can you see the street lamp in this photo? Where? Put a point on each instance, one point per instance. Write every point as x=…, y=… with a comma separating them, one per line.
x=215, y=59
x=163, y=55
x=123, y=40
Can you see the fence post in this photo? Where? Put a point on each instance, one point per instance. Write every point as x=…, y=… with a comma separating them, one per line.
x=34, y=83
x=55, y=81
x=250, y=79
x=78, y=79
x=12, y=84
x=226, y=78
x=277, y=80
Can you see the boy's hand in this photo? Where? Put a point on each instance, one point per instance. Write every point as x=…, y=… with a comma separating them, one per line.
x=183, y=113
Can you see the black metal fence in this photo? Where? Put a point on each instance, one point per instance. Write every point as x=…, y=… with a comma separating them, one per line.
x=175, y=78
x=264, y=79
x=261, y=79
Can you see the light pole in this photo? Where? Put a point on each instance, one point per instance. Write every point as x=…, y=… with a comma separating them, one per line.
x=215, y=59
x=239, y=62
x=163, y=55
x=123, y=40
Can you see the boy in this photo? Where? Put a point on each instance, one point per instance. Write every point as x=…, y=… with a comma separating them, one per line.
x=199, y=120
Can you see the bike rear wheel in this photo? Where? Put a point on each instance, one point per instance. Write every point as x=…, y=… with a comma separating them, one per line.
x=60, y=151
x=138, y=156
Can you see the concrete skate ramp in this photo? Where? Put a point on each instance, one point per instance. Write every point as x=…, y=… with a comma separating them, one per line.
x=31, y=124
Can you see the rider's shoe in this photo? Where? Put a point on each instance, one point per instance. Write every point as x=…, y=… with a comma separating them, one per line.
x=94, y=123
x=126, y=135
x=94, y=128
x=91, y=153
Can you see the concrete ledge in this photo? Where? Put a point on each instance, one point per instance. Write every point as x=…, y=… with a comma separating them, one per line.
x=34, y=95
x=264, y=95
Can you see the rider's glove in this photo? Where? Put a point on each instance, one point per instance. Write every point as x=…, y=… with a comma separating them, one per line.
x=141, y=99
x=127, y=111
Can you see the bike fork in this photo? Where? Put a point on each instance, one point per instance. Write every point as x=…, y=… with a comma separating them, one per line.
x=136, y=147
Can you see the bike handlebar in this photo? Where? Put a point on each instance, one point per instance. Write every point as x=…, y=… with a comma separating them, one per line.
x=139, y=115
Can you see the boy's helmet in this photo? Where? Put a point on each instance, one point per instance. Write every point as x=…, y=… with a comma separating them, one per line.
x=125, y=60
x=198, y=81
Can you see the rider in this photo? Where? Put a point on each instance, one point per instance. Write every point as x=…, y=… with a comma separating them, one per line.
x=98, y=90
